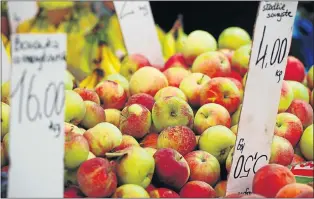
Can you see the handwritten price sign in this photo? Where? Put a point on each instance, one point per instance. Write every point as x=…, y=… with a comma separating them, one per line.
x=138, y=29
x=271, y=44
x=37, y=115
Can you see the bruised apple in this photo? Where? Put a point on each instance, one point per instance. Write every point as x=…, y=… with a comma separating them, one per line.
x=88, y=95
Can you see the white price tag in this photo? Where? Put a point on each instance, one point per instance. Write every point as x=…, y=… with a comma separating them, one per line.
x=138, y=29
x=271, y=44
x=5, y=65
x=20, y=11
x=36, y=146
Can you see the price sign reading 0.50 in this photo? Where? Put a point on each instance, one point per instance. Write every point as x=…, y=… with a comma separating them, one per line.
x=37, y=115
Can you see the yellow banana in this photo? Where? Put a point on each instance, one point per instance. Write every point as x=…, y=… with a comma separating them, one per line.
x=94, y=81
x=113, y=59
x=181, y=36
x=85, y=82
x=115, y=38
x=161, y=33
x=169, y=44
x=106, y=65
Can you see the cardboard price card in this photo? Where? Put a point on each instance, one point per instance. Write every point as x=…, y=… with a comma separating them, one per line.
x=270, y=48
x=36, y=147
x=138, y=29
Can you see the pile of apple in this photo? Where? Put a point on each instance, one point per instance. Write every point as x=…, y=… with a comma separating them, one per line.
x=169, y=131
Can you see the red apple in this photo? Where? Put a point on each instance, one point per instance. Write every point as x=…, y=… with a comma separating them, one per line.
x=176, y=75
x=221, y=91
x=236, y=76
x=228, y=53
x=88, y=95
x=96, y=178
x=176, y=60
x=197, y=189
x=203, y=166
x=171, y=168
x=111, y=94
x=294, y=70
x=289, y=126
x=163, y=193
x=281, y=151
x=286, y=97
x=239, y=85
x=220, y=188
x=72, y=192
x=293, y=190
x=180, y=138
x=303, y=111
x=272, y=177
x=127, y=141
x=132, y=63
x=212, y=64
x=142, y=99
x=150, y=140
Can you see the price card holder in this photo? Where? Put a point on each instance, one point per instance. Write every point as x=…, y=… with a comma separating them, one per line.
x=271, y=44
x=138, y=29
x=36, y=147
x=5, y=65
x=20, y=11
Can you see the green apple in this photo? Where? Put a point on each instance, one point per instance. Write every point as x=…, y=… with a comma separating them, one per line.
x=130, y=191
x=137, y=167
x=75, y=108
x=5, y=118
x=236, y=116
x=233, y=38
x=68, y=82
x=172, y=111
x=120, y=79
x=94, y=115
x=218, y=141
x=306, y=143
x=5, y=92
x=299, y=91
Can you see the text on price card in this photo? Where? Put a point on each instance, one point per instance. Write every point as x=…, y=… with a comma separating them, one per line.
x=270, y=49
x=37, y=115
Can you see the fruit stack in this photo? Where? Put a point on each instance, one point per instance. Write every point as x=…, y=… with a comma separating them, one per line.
x=145, y=132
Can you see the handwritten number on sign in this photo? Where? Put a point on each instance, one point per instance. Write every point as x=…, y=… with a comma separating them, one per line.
x=125, y=12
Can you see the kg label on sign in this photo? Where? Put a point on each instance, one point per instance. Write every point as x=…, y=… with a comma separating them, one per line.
x=270, y=49
x=37, y=115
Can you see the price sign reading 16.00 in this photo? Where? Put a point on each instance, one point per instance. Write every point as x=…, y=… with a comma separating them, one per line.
x=37, y=115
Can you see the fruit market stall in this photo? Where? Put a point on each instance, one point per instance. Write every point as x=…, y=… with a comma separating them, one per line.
x=97, y=100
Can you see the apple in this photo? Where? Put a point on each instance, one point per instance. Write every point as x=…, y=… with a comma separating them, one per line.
x=289, y=126
x=72, y=192
x=218, y=141
x=111, y=94
x=239, y=85
x=171, y=168
x=229, y=160
x=272, y=176
x=96, y=178
x=286, y=97
x=94, y=115
x=306, y=143
x=198, y=42
x=203, y=167
x=163, y=193
x=176, y=75
x=303, y=111
x=308, y=194
x=233, y=38
x=147, y=80
x=220, y=188
x=180, y=138
x=281, y=151
x=310, y=77
x=234, y=129
x=130, y=191
x=150, y=150
x=176, y=60
x=234, y=195
x=5, y=92
x=118, y=78
x=170, y=91
x=228, y=53
x=75, y=108
x=209, y=115
x=68, y=81
x=299, y=91
x=135, y=120
x=236, y=116
x=127, y=141
x=102, y=138
x=5, y=119
x=191, y=86
x=72, y=128
x=293, y=190
x=223, y=91
x=113, y=116
x=197, y=189
x=297, y=159
x=76, y=150
x=150, y=140
x=90, y=156
x=241, y=58
x=142, y=99
x=253, y=195
x=88, y=95
x=131, y=63
x=172, y=111
x=212, y=64
x=150, y=188
x=295, y=70
x=135, y=167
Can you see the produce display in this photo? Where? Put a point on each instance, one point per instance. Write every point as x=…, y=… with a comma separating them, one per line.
x=134, y=130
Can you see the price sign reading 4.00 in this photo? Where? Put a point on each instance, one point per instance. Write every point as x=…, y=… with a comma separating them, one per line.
x=37, y=115
x=270, y=48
